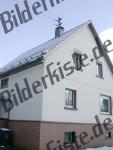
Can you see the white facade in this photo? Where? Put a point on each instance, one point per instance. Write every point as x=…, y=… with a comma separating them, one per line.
x=49, y=105
x=88, y=86
x=31, y=109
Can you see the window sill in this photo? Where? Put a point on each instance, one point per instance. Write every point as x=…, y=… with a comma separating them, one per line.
x=108, y=138
x=102, y=113
x=68, y=143
x=99, y=77
x=75, y=109
x=4, y=87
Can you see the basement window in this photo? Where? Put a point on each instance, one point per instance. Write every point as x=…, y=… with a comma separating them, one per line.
x=69, y=137
x=108, y=135
x=77, y=58
x=4, y=83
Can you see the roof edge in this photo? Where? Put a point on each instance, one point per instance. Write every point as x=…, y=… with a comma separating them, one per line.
x=22, y=67
x=102, y=48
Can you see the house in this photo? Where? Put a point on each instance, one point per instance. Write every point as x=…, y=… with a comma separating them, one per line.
x=59, y=94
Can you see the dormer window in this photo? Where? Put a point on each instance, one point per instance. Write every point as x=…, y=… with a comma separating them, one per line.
x=4, y=83
x=77, y=58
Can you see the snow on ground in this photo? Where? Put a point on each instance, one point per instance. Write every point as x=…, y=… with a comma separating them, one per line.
x=102, y=148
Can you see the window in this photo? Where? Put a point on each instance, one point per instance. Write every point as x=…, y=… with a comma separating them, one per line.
x=106, y=105
x=4, y=83
x=99, y=69
x=108, y=135
x=69, y=137
x=70, y=98
x=77, y=58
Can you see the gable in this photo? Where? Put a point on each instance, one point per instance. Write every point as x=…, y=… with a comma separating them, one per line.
x=84, y=41
x=31, y=57
x=85, y=82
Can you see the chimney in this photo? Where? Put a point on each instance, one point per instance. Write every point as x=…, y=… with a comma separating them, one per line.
x=59, y=29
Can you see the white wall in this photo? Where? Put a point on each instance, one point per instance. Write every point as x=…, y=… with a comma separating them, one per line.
x=88, y=86
x=31, y=109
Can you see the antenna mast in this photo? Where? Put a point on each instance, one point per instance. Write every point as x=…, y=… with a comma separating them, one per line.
x=59, y=29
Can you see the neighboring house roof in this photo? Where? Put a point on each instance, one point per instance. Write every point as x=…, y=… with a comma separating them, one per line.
x=35, y=55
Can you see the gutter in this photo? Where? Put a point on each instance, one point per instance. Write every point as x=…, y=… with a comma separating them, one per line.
x=22, y=67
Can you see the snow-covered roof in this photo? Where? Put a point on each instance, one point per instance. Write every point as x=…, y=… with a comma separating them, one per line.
x=38, y=51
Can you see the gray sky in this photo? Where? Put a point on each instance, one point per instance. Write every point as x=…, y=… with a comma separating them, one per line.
x=41, y=28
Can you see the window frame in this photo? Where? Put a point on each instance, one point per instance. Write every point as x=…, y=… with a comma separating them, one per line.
x=97, y=69
x=109, y=105
x=107, y=135
x=74, y=100
x=2, y=83
x=73, y=56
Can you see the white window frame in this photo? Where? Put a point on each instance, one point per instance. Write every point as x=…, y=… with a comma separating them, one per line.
x=73, y=99
x=109, y=104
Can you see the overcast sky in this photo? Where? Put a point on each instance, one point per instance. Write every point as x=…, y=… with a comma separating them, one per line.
x=41, y=28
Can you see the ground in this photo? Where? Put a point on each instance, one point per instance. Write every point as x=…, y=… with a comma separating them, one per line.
x=103, y=148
